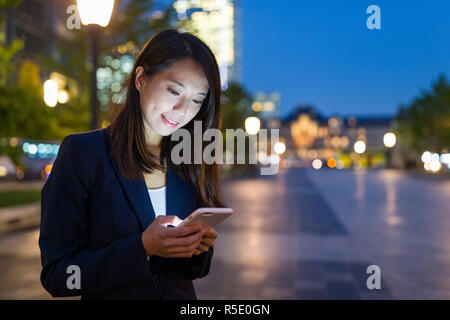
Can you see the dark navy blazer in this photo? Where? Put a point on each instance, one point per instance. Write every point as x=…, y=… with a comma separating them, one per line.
x=93, y=217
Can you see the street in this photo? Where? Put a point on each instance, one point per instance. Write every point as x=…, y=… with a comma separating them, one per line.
x=305, y=234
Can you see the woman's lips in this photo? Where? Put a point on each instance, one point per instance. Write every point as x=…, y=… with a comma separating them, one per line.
x=169, y=122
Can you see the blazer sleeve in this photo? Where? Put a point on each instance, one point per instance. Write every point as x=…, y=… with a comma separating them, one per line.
x=198, y=266
x=64, y=233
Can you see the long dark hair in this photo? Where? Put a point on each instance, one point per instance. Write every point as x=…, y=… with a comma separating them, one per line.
x=127, y=133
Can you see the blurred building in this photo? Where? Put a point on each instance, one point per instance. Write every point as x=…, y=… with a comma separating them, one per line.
x=310, y=135
x=217, y=22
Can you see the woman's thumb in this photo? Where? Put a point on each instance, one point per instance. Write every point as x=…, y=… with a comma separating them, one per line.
x=166, y=220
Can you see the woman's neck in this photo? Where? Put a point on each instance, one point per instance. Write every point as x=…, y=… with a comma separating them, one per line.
x=153, y=140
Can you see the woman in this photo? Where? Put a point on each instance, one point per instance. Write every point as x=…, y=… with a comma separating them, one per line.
x=113, y=193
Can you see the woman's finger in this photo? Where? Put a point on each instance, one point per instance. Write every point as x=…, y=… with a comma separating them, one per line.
x=202, y=247
x=208, y=242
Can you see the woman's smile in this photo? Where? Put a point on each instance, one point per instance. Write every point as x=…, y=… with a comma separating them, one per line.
x=169, y=122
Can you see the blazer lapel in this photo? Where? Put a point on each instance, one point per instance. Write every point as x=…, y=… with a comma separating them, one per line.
x=137, y=194
x=180, y=196
x=171, y=203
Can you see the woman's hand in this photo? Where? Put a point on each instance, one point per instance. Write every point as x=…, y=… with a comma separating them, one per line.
x=181, y=242
x=207, y=241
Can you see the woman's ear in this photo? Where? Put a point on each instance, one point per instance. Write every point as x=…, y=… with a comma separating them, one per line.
x=139, y=78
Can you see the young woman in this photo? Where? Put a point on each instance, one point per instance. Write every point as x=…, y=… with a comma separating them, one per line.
x=113, y=193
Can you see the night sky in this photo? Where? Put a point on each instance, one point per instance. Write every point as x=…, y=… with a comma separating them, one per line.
x=322, y=53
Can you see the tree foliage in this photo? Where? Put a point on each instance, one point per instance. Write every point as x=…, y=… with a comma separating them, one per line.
x=235, y=106
x=424, y=124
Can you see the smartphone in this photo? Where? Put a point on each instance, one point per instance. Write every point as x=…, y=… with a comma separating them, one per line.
x=207, y=216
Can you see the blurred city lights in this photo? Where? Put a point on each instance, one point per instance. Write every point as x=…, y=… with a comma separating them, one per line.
x=40, y=150
x=279, y=147
x=435, y=166
x=48, y=169
x=257, y=106
x=32, y=149
x=339, y=164
x=13, y=142
x=212, y=21
x=252, y=125
x=50, y=93
x=95, y=12
x=317, y=164
x=359, y=146
x=435, y=157
x=331, y=163
x=445, y=159
x=63, y=96
x=3, y=171
x=389, y=139
x=426, y=157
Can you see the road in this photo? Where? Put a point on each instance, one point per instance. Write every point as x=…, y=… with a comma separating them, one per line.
x=305, y=234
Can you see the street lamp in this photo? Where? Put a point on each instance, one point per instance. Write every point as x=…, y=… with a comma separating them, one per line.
x=95, y=14
x=252, y=125
x=359, y=146
x=50, y=93
x=279, y=148
x=389, y=140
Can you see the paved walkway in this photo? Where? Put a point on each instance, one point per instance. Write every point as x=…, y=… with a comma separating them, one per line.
x=21, y=185
x=305, y=234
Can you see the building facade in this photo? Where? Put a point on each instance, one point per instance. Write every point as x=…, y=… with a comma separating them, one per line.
x=310, y=135
x=217, y=22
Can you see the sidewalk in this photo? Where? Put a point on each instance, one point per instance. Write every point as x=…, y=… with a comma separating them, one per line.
x=20, y=217
x=21, y=185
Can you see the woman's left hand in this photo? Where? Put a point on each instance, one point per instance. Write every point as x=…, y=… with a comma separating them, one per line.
x=208, y=240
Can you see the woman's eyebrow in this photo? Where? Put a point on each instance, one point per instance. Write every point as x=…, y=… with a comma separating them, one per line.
x=182, y=85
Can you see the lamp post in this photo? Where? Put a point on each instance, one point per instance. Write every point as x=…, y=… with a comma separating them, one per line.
x=95, y=14
x=389, y=140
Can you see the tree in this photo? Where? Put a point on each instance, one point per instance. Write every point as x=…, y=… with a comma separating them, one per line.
x=235, y=106
x=424, y=124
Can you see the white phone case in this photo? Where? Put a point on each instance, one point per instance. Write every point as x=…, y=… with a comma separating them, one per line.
x=208, y=216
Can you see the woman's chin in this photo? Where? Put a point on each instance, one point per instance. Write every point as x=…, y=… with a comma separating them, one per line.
x=165, y=131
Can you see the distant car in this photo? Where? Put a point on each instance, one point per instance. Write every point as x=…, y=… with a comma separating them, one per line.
x=37, y=159
x=34, y=168
x=8, y=170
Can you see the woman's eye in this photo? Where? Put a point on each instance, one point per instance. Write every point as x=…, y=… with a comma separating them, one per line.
x=197, y=101
x=173, y=92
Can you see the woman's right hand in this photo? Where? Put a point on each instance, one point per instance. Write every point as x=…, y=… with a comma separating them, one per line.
x=181, y=242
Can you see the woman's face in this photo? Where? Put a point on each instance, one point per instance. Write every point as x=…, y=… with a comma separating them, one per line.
x=171, y=98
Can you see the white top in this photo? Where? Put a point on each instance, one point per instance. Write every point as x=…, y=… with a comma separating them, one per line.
x=158, y=199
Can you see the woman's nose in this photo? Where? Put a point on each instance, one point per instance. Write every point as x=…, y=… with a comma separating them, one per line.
x=180, y=108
